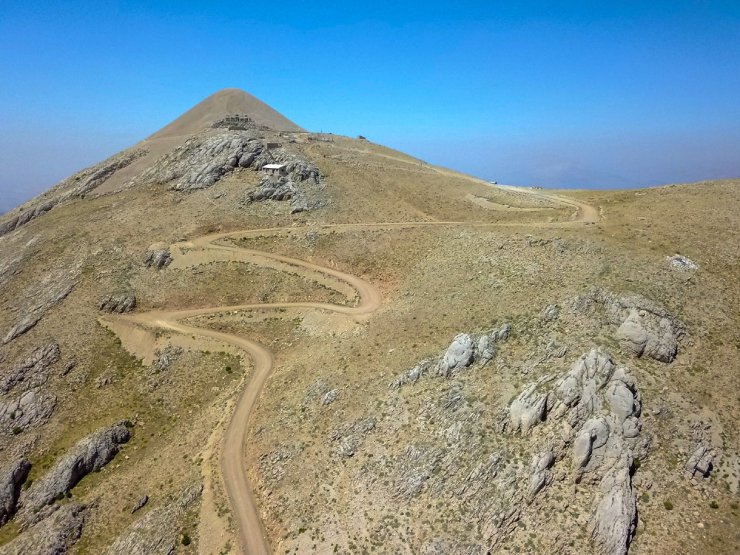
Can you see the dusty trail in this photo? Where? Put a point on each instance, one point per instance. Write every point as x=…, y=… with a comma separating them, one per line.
x=250, y=530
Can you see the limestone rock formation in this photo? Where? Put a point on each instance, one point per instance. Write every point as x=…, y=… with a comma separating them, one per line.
x=54, y=535
x=700, y=463
x=33, y=370
x=29, y=410
x=644, y=327
x=464, y=351
x=158, y=531
x=46, y=294
x=158, y=258
x=88, y=455
x=11, y=480
x=118, y=302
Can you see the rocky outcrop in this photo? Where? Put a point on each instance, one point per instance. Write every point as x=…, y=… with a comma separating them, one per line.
x=203, y=159
x=54, y=535
x=700, y=462
x=158, y=259
x=159, y=530
x=88, y=455
x=11, y=480
x=118, y=302
x=71, y=188
x=349, y=438
x=539, y=474
x=164, y=358
x=464, y=351
x=644, y=328
x=29, y=410
x=599, y=406
x=51, y=293
x=642, y=335
x=32, y=371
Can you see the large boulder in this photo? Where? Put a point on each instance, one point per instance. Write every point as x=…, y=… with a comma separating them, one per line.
x=458, y=355
x=29, y=410
x=11, y=480
x=118, y=302
x=642, y=334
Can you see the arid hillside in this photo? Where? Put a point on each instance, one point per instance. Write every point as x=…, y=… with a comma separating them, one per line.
x=239, y=336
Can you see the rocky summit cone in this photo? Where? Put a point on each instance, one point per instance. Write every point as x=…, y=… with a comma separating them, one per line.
x=271, y=340
x=226, y=102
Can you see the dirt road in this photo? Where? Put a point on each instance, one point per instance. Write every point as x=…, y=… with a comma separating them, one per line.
x=250, y=530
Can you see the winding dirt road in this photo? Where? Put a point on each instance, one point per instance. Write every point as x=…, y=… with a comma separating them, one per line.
x=249, y=528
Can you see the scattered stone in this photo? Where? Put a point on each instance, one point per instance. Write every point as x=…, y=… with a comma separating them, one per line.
x=165, y=357
x=158, y=259
x=54, y=535
x=11, y=480
x=682, y=263
x=329, y=397
x=550, y=313
x=349, y=437
x=34, y=370
x=118, y=303
x=90, y=454
x=140, y=504
x=71, y=365
x=530, y=407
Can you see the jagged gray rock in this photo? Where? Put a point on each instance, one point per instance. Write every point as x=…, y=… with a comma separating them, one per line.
x=349, y=437
x=11, y=480
x=600, y=408
x=165, y=357
x=140, y=504
x=30, y=410
x=550, y=313
x=88, y=455
x=700, y=462
x=458, y=355
x=158, y=259
x=118, y=302
x=281, y=189
x=54, y=535
x=538, y=474
x=642, y=335
x=203, y=160
x=159, y=530
x=464, y=351
x=329, y=397
x=615, y=516
x=644, y=327
x=33, y=370
x=530, y=407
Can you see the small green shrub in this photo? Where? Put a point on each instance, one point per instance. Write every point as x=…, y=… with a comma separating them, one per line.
x=714, y=505
x=185, y=539
x=228, y=369
x=668, y=505
x=17, y=430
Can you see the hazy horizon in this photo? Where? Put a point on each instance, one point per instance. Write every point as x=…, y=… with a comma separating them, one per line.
x=583, y=96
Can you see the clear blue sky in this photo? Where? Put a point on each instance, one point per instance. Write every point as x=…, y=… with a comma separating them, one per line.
x=599, y=94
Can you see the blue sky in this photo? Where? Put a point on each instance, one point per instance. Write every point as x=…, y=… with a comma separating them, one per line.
x=560, y=94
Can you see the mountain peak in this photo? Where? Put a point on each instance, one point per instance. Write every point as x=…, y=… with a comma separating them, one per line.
x=226, y=102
